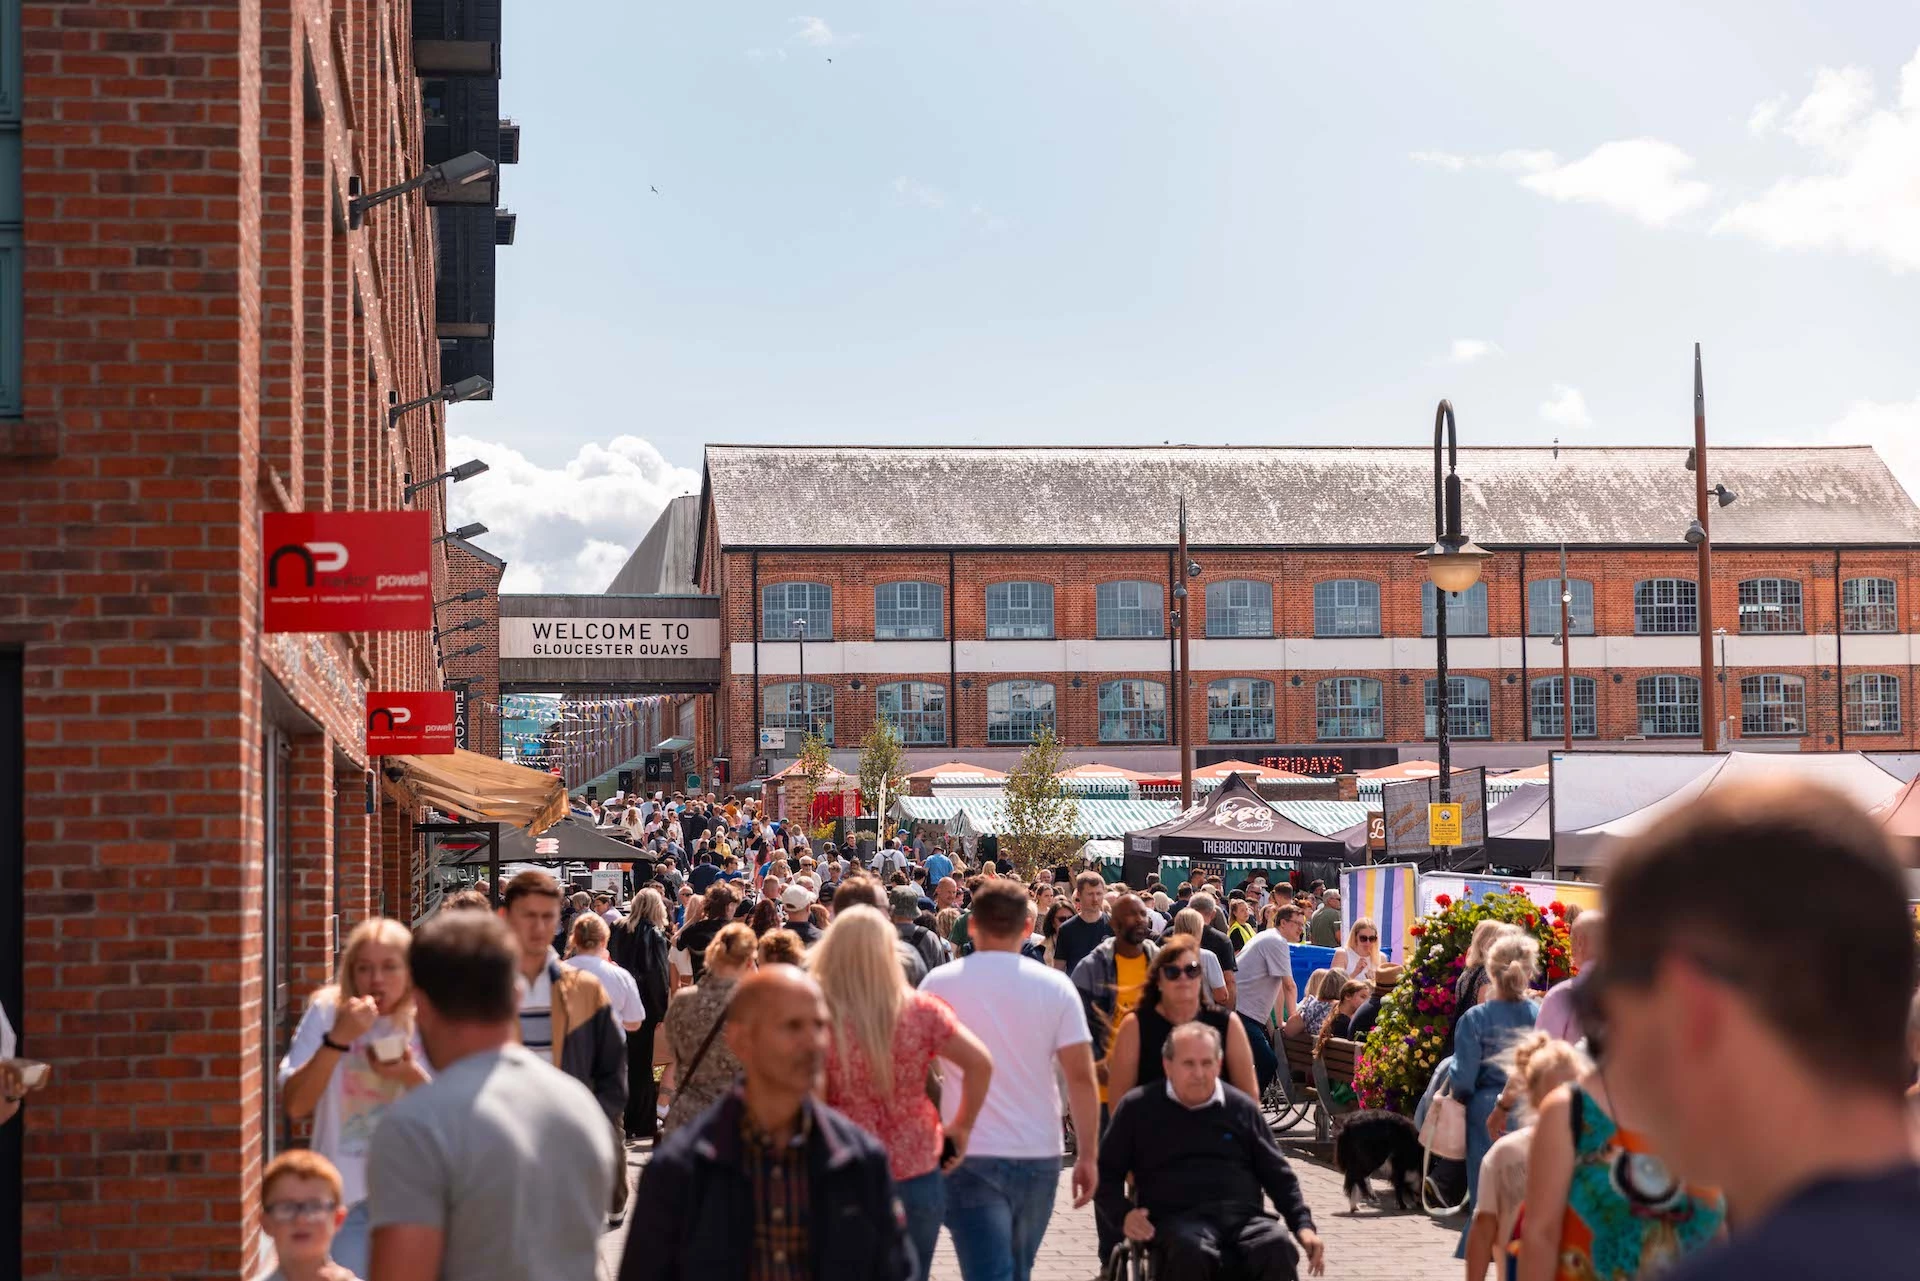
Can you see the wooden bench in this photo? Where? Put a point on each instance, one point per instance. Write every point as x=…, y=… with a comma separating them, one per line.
x=1313, y=1079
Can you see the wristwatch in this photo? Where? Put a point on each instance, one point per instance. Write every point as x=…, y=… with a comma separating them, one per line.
x=326, y=1039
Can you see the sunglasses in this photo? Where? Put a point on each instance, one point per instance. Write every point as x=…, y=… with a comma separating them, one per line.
x=1181, y=972
x=1367, y=938
x=284, y=1212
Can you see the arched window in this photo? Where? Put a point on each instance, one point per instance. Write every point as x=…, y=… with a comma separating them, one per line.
x=908, y=611
x=1773, y=704
x=1873, y=704
x=1020, y=611
x=1240, y=709
x=1469, y=707
x=1466, y=611
x=1545, y=707
x=1128, y=610
x=1770, y=605
x=798, y=709
x=1543, y=607
x=1239, y=607
x=1669, y=705
x=784, y=606
x=1350, y=707
x=1870, y=605
x=1017, y=710
x=1346, y=607
x=917, y=710
x=1666, y=607
x=1133, y=712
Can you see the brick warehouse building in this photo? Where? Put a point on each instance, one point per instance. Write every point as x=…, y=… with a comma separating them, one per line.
x=974, y=593
x=192, y=334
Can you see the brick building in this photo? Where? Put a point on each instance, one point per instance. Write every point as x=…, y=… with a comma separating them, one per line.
x=193, y=334
x=972, y=594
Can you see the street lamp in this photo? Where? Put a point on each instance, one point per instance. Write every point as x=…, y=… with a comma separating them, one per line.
x=450, y=182
x=463, y=533
x=471, y=625
x=469, y=651
x=1178, y=617
x=1700, y=535
x=453, y=393
x=471, y=594
x=465, y=471
x=1453, y=564
x=800, y=647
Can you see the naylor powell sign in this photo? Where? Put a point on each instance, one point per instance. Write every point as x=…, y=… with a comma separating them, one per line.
x=347, y=571
x=408, y=724
x=609, y=638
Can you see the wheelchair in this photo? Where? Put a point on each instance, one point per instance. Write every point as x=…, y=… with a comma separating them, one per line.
x=1130, y=1261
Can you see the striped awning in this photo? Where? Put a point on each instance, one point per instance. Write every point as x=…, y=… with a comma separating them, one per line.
x=980, y=815
x=1324, y=817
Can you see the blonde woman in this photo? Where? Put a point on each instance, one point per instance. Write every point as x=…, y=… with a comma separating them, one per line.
x=1191, y=924
x=640, y=947
x=587, y=950
x=886, y=1036
x=700, y=1063
x=1483, y=1035
x=1361, y=956
x=1537, y=1066
x=1466, y=989
x=353, y=1055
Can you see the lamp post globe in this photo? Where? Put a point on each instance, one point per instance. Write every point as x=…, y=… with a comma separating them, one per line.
x=1454, y=569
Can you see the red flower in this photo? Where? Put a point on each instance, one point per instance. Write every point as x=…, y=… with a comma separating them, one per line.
x=1532, y=921
x=1557, y=908
x=1416, y=930
x=1520, y=889
x=1444, y=900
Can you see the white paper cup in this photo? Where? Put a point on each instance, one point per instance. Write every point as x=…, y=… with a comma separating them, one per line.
x=388, y=1049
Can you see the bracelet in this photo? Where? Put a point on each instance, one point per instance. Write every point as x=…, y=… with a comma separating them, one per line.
x=326, y=1039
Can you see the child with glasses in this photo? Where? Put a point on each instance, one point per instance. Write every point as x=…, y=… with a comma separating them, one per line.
x=301, y=1210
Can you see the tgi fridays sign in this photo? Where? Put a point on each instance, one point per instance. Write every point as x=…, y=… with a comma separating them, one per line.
x=346, y=571
x=410, y=724
x=609, y=638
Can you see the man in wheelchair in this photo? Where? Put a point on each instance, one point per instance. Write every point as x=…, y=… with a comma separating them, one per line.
x=1200, y=1154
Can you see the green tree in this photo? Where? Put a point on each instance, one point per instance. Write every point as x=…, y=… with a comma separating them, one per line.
x=810, y=770
x=1042, y=827
x=883, y=766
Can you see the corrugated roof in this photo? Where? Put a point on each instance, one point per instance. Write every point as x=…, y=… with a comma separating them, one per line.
x=1255, y=496
x=1324, y=817
x=662, y=565
x=1098, y=818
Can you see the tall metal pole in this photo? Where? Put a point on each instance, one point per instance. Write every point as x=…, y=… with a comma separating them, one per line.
x=1566, y=652
x=1709, y=707
x=1446, y=526
x=800, y=647
x=1180, y=695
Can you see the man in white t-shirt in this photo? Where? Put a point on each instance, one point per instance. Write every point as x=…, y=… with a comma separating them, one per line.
x=1000, y=1197
x=1266, y=980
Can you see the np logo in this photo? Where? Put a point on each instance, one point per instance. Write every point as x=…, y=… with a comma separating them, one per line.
x=1244, y=816
x=314, y=558
x=395, y=717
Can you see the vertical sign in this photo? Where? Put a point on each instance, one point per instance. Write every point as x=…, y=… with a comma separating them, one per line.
x=460, y=731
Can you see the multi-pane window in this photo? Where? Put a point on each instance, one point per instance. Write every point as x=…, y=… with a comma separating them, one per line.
x=1770, y=605
x=1466, y=611
x=1669, y=705
x=1545, y=708
x=1346, y=607
x=1133, y=712
x=1869, y=605
x=1666, y=606
x=1350, y=707
x=1873, y=704
x=1018, y=710
x=1543, y=607
x=908, y=611
x=1020, y=611
x=799, y=709
x=917, y=710
x=1240, y=709
x=784, y=607
x=1772, y=704
x=1469, y=707
x=1239, y=607
x=1128, y=609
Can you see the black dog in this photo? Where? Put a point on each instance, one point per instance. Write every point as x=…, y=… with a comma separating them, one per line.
x=1370, y=1140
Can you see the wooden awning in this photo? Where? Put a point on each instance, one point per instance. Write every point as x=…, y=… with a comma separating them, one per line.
x=480, y=787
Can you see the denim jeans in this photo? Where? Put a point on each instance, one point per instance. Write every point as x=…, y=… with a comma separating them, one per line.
x=351, y=1242
x=1266, y=1064
x=924, y=1199
x=997, y=1211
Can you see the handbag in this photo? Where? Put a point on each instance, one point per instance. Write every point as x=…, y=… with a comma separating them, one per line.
x=1444, y=1135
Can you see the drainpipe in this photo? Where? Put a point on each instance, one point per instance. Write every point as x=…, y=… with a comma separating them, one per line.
x=1839, y=654
x=755, y=609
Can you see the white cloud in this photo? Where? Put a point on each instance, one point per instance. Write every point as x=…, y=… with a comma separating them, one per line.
x=766, y=55
x=570, y=528
x=1567, y=408
x=1865, y=196
x=814, y=31
x=1465, y=351
x=1643, y=178
x=1892, y=427
x=919, y=193
x=1765, y=116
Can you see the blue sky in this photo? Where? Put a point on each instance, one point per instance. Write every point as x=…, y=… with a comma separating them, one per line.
x=1203, y=221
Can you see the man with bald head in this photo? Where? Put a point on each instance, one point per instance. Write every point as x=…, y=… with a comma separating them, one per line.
x=1112, y=977
x=770, y=1184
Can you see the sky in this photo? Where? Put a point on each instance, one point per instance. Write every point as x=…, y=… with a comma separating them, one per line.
x=1196, y=221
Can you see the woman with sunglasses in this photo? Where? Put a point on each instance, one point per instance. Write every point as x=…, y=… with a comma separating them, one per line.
x=1051, y=920
x=1174, y=996
x=1361, y=956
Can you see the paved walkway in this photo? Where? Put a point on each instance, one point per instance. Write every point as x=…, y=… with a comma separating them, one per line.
x=1374, y=1245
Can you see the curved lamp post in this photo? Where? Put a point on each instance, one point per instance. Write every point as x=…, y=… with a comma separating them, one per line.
x=1453, y=565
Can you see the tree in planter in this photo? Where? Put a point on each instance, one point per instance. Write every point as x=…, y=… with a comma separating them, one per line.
x=883, y=768
x=809, y=771
x=1042, y=827
x=1415, y=1028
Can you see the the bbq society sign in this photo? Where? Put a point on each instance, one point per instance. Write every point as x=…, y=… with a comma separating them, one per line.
x=346, y=572
x=609, y=638
x=410, y=724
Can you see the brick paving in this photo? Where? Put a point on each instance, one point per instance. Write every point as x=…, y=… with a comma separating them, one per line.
x=1374, y=1245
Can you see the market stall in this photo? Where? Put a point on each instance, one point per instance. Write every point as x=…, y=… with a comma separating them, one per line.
x=1233, y=833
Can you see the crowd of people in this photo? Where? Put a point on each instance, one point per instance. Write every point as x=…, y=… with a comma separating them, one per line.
x=837, y=1056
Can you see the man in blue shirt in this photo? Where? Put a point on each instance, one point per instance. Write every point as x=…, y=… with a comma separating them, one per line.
x=939, y=867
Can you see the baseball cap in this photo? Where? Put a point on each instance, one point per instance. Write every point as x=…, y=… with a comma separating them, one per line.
x=796, y=896
x=905, y=900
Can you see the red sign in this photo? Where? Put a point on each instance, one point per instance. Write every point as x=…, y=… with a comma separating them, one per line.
x=410, y=724
x=347, y=571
